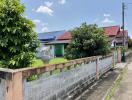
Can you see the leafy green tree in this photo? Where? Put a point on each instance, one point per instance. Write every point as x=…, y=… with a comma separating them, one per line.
x=87, y=40
x=18, y=41
x=129, y=43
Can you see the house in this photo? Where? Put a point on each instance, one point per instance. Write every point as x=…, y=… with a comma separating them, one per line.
x=58, y=46
x=50, y=36
x=115, y=35
x=119, y=38
x=56, y=41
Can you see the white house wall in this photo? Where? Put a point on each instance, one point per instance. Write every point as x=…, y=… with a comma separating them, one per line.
x=52, y=50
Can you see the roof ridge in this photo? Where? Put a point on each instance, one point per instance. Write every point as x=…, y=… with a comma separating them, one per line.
x=112, y=26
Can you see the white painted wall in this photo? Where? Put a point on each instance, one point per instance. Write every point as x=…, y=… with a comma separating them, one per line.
x=52, y=50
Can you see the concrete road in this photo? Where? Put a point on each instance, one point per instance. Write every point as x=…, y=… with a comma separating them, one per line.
x=125, y=90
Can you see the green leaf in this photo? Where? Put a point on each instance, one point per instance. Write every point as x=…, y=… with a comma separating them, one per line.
x=16, y=32
x=87, y=40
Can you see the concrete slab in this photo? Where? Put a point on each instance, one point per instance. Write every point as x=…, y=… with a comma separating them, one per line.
x=125, y=90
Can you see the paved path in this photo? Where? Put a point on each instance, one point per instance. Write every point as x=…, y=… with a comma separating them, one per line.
x=125, y=90
x=98, y=91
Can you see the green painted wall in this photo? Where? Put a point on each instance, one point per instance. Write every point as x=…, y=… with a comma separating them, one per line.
x=59, y=50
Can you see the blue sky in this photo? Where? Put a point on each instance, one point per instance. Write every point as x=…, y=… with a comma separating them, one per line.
x=52, y=15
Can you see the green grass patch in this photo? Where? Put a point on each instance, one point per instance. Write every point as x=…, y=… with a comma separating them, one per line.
x=37, y=62
x=116, y=84
x=57, y=60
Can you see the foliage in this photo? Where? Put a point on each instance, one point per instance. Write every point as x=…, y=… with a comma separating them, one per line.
x=87, y=40
x=122, y=48
x=57, y=60
x=18, y=41
x=130, y=43
x=0, y=64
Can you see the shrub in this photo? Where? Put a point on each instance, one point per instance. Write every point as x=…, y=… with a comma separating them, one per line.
x=130, y=43
x=18, y=41
x=87, y=40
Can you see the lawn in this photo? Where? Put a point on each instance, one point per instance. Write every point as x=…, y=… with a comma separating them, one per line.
x=36, y=62
x=39, y=62
x=57, y=60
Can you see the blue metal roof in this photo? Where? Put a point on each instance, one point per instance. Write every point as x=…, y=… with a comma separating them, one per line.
x=50, y=35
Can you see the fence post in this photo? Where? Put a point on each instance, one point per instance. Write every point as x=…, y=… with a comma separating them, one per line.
x=14, y=89
x=97, y=68
x=119, y=55
x=113, y=60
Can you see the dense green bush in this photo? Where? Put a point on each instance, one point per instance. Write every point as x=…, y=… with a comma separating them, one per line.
x=87, y=40
x=130, y=43
x=18, y=41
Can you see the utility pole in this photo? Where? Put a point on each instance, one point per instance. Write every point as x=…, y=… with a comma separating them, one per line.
x=123, y=27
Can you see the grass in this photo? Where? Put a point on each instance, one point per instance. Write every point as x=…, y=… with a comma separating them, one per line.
x=116, y=84
x=37, y=62
x=57, y=60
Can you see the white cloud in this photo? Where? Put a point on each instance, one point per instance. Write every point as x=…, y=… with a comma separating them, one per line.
x=107, y=20
x=36, y=21
x=62, y=1
x=45, y=29
x=45, y=10
x=48, y=4
x=107, y=15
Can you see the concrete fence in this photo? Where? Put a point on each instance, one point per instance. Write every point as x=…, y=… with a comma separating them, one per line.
x=55, y=82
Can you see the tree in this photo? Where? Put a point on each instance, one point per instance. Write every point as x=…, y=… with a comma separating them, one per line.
x=87, y=40
x=18, y=41
x=129, y=43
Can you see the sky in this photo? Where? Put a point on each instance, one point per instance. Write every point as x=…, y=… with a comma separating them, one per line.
x=54, y=15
